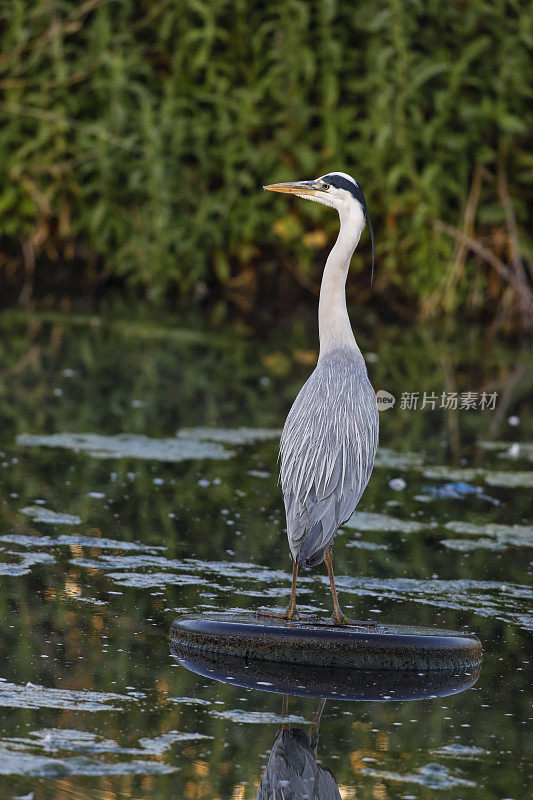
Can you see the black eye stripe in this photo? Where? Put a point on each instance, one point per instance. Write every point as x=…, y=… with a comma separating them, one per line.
x=343, y=183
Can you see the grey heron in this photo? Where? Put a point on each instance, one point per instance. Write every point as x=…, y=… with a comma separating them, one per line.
x=330, y=437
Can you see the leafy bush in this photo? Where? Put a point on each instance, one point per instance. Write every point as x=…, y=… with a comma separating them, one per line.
x=137, y=136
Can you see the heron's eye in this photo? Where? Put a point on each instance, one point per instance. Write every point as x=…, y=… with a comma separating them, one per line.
x=325, y=186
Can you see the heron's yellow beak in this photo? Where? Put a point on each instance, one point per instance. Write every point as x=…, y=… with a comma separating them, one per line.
x=297, y=187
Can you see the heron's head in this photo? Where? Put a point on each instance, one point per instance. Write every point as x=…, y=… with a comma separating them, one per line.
x=337, y=190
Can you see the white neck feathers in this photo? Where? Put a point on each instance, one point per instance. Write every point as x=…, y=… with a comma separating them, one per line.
x=334, y=327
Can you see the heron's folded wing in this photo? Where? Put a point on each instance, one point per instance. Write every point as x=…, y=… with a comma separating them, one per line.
x=327, y=454
x=320, y=507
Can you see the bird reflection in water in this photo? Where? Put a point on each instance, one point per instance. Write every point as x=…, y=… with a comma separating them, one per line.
x=293, y=771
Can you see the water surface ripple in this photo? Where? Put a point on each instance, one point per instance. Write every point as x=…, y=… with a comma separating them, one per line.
x=139, y=480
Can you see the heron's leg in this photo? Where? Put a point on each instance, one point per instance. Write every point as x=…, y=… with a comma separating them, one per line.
x=292, y=605
x=338, y=616
x=285, y=705
x=291, y=612
x=313, y=733
x=285, y=712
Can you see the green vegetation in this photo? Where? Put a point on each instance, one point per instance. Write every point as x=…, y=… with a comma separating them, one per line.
x=135, y=137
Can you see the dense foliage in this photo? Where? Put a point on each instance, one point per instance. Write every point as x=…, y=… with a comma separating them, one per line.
x=135, y=137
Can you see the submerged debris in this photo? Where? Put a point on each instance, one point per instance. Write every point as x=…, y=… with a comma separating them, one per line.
x=456, y=491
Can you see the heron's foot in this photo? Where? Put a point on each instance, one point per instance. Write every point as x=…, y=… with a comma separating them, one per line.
x=342, y=619
x=289, y=615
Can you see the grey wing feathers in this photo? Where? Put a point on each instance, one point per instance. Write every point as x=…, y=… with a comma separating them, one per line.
x=327, y=452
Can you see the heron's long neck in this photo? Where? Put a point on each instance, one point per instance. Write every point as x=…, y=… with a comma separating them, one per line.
x=334, y=327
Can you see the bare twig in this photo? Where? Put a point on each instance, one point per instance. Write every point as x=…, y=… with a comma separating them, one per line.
x=522, y=290
x=512, y=232
x=29, y=272
x=510, y=385
x=468, y=229
x=443, y=294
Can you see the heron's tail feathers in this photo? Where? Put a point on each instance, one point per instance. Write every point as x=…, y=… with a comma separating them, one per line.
x=310, y=551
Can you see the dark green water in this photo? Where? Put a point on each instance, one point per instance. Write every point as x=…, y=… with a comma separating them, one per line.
x=106, y=535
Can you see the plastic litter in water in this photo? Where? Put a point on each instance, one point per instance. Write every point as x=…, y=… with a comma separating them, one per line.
x=457, y=490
